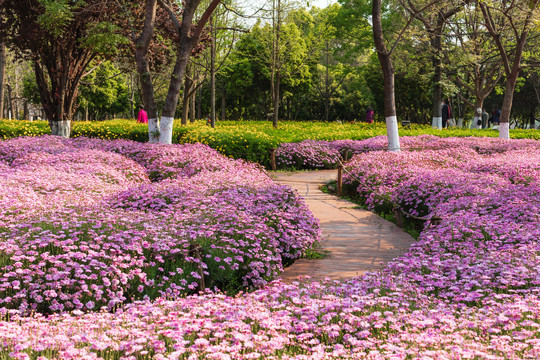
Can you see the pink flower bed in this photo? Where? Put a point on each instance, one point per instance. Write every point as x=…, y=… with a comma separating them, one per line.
x=467, y=289
x=84, y=228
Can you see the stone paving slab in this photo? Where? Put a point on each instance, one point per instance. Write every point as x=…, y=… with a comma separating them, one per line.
x=358, y=240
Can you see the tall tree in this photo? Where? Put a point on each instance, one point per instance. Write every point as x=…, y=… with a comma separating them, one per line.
x=187, y=36
x=515, y=19
x=434, y=22
x=224, y=26
x=2, y=73
x=277, y=16
x=384, y=54
x=61, y=38
x=475, y=67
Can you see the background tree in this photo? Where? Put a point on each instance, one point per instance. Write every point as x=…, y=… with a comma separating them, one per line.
x=384, y=54
x=61, y=38
x=104, y=93
x=509, y=24
x=2, y=73
x=186, y=37
x=434, y=20
x=475, y=67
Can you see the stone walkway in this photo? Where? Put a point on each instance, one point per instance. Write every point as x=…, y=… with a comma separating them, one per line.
x=357, y=240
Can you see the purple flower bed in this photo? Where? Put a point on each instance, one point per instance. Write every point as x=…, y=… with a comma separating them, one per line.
x=320, y=154
x=469, y=288
x=489, y=203
x=84, y=228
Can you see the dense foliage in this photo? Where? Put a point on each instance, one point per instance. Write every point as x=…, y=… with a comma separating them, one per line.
x=88, y=223
x=468, y=288
x=328, y=69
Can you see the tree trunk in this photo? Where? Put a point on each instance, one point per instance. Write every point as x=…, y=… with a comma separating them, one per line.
x=213, y=78
x=185, y=108
x=437, y=78
x=188, y=84
x=173, y=94
x=132, y=96
x=223, y=103
x=2, y=75
x=143, y=68
x=199, y=103
x=327, y=87
x=277, y=65
x=289, y=109
x=388, y=78
x=61, y=128
x=10, y=102
x=276, y=100
x=26, y=110
x=504, y=125
x=192, y=108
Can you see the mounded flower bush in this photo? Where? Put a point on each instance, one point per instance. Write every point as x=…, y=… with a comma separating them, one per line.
x=468, y=288
x=93, y=223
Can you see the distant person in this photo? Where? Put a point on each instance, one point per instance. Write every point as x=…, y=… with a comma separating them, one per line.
x=485, y=118
x=369, y=115
x=142, y=117
x=446, y=114
x=496, y=115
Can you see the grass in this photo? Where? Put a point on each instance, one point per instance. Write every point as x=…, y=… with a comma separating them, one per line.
x=316, y=252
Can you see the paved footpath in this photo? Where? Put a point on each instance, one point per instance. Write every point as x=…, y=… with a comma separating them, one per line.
x=357, y=240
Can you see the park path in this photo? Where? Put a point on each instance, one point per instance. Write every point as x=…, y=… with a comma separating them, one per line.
x=357, y=240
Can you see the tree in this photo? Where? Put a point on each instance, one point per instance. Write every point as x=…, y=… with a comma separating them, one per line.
x=476, y=67
x=104, y=92
x=434, y=22
x=186, y=37
x=333, y=72
x=248, y=72
x=509, y=24
x=223, y=30
x=385, y=58
x=281, y=56
x=384, y=54
x=61, y=38
x=2, y=73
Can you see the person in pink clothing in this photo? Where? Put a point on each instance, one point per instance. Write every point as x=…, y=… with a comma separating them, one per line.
x=369, y=115
x=142, y=117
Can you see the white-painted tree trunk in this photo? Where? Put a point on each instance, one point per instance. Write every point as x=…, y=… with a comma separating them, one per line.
x=393, y=133
x=61, y=128
x=166, y=130
x=153, y=131
x=504, y=130
x=436, y=122
x=460, y=122
x=475, y=122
